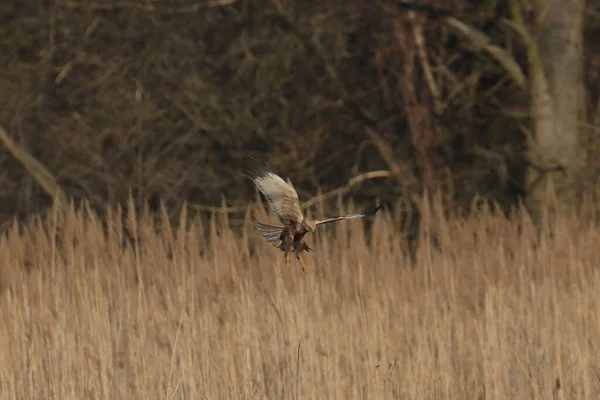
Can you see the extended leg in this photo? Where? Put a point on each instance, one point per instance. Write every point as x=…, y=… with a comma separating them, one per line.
x=302, y=265
x=286, y=256
x=287, y=247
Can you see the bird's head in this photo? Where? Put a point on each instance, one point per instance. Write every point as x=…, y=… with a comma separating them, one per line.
x=309, y=225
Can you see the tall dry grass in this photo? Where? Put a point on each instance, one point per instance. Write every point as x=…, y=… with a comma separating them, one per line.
x=201, y=313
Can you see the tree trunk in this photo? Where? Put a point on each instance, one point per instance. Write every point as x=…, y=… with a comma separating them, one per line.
x=557, y=94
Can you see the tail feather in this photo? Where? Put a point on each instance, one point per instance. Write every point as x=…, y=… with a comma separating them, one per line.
x=271, y=233
x=307, y=248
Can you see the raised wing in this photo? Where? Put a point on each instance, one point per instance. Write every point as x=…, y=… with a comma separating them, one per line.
x=282, y=197
x=351, y=216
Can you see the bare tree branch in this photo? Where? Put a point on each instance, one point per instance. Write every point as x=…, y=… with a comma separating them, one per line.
x=347, y=187
x=143, y=7
x=477, y=39
x=382, y=145
x=340, y=191
x=429, y=78
x=36, y=169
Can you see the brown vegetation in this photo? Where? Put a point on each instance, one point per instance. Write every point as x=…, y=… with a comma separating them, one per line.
x=161, y=99
x=495, y=312
x=110, y=101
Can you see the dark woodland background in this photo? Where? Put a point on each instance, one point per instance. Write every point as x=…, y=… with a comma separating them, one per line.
x=161, y=99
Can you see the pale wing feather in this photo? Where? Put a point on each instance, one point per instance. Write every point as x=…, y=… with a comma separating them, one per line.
x=271, y=233
x=289, y=182
x=282, y=197
x=349, y=216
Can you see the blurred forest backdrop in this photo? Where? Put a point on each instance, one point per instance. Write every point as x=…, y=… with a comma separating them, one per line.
x=479, y=99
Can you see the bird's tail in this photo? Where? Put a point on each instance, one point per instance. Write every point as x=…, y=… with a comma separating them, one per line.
x=307, y=248
x=271, y=233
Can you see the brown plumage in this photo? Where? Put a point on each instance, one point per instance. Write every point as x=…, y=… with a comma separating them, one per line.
x=283, y=201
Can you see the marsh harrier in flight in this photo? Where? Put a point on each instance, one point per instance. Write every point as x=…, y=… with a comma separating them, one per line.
x=283, y=201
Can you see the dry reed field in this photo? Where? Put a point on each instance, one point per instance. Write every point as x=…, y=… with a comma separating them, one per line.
x=200, y=312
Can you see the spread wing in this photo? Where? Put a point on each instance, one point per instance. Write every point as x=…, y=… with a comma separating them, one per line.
x=281, y=195
x=350, y=216
x=271, y=233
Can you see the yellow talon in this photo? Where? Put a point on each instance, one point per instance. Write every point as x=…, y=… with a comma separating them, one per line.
x=303, y=266
x=287, y=261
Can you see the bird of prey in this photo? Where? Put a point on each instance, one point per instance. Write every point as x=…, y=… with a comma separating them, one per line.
x=283, y=201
